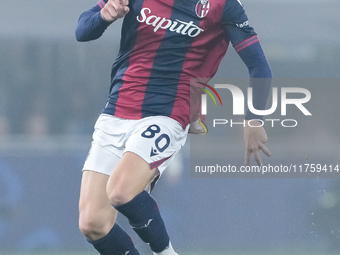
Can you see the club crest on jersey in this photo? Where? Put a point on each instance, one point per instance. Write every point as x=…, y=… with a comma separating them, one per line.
x=202, y=8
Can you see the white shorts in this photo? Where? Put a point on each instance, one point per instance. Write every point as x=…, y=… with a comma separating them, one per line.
x=156, y=139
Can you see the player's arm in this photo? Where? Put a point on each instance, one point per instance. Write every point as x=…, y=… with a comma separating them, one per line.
x=260, y=80
x=92, y=23
x=247, y=45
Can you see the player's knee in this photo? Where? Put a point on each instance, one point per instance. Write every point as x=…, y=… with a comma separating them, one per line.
x=92, y=225
x=118, y=196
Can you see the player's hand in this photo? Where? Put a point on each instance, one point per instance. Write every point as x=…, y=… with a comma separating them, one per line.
x=115, y=9
x=254, y=139
x=198, y=127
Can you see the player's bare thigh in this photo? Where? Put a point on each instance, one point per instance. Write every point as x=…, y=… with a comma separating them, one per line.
x=96, y=214
x=130, y=177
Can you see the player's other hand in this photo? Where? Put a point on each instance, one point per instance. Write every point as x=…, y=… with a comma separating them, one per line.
x=254, y=139
x=115, y=9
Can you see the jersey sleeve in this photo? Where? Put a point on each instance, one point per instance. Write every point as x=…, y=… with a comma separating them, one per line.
x=91, y=25
x=236, y=25
x=246, y=43
x=260, y=77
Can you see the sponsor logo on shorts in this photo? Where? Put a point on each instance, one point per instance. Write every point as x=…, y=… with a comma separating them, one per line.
x=153, y=152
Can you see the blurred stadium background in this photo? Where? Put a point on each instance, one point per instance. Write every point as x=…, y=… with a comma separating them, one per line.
x=53, y=88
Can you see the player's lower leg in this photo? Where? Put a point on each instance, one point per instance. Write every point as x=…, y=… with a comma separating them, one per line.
x=144, y=217
x=116, y=242
x=97, y=218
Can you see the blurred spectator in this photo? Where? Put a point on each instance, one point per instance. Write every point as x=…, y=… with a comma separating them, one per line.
x=37, y=125
x=4, y=127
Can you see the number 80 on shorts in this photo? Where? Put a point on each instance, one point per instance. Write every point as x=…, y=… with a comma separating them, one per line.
x=162, y=141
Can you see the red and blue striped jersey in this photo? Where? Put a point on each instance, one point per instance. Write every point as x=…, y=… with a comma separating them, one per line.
x=165, y=44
